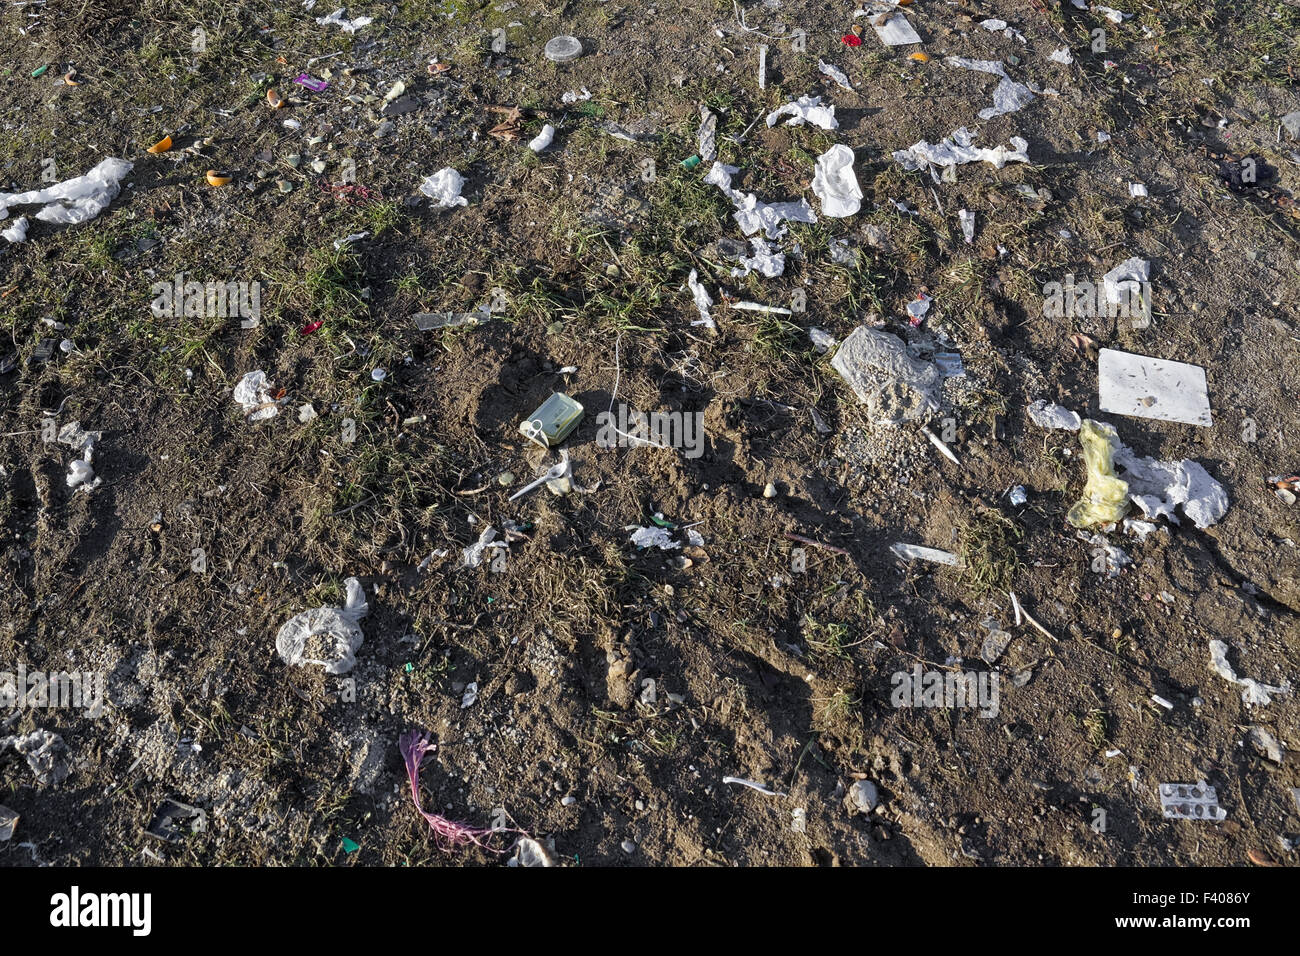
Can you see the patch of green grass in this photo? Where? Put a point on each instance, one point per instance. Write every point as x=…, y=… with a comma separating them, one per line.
x=988, y=546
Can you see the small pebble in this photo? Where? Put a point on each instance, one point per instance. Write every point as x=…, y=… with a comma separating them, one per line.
x=628, y=847
x=769, y=491
x=506, y=478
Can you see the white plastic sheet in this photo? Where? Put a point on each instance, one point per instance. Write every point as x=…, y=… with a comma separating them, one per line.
x=806, y=109
x=75, y=200
x=957, y=150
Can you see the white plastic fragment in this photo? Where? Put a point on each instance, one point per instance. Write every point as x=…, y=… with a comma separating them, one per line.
x=18, y=231
x=752, y=786
x=1158, y=487
x=528, y=852
x=822, y=340
x=706, y=139
x=472, y=556
x=768, y=263
x=254, y=393
x=1144, y=387
x=470, y=695
x=1191, y=801
x=956, y=150
x=1103, y=137
x=762, y=69
x=542, y=139
x=1008, y=96
x=348, y=26
x=46, y=754
x=896, y=31
x=1137, y=190
x=349, y=239
x=1061, y=56
x=75, y=200
x=703, y=301
x=1046, y=414
x=1253, y=694
x=573, y=96
x=1126, y=280
x=835, y=184
x=444, y=188
x=660, y=538
x=806, y=109
x=836, y=74
x=1113, y=15
x=967, y=220
x=912, y=552
x=1267, y=744
x=331, y=632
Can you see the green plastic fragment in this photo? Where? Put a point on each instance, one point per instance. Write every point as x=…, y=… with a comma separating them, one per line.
x=1105, y=496
x=690, y=162
x=349, y=846
x=40, y=71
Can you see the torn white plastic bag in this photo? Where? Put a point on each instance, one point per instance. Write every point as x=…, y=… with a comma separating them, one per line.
x=1145, y=387
x=1158, y=487
x=806, y=109
x=17, y=232
x=836, y=74
x=444, y=187
x=1061, y=56
x=75, y=200
x=329, y=636
x=348, y=26
x=766, y=262
x=835, y=184
x=752, y=214
x=703, y=301
x=253, y=392
x=1008, y=95
x=956, y=150
x=1253, y=694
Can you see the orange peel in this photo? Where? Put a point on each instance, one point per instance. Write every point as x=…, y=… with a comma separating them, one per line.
x=161, y=146
x=218, y=177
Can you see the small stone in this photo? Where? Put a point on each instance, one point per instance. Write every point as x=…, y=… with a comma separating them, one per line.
x=769, y=491
x=628, y=847
x=568, y=801
x=294, y=160
x=506, y=479
x=865, y=796
x=318, y=165
x=285, y=185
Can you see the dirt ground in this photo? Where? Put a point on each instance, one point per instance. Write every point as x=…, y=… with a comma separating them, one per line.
x=771, y=658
